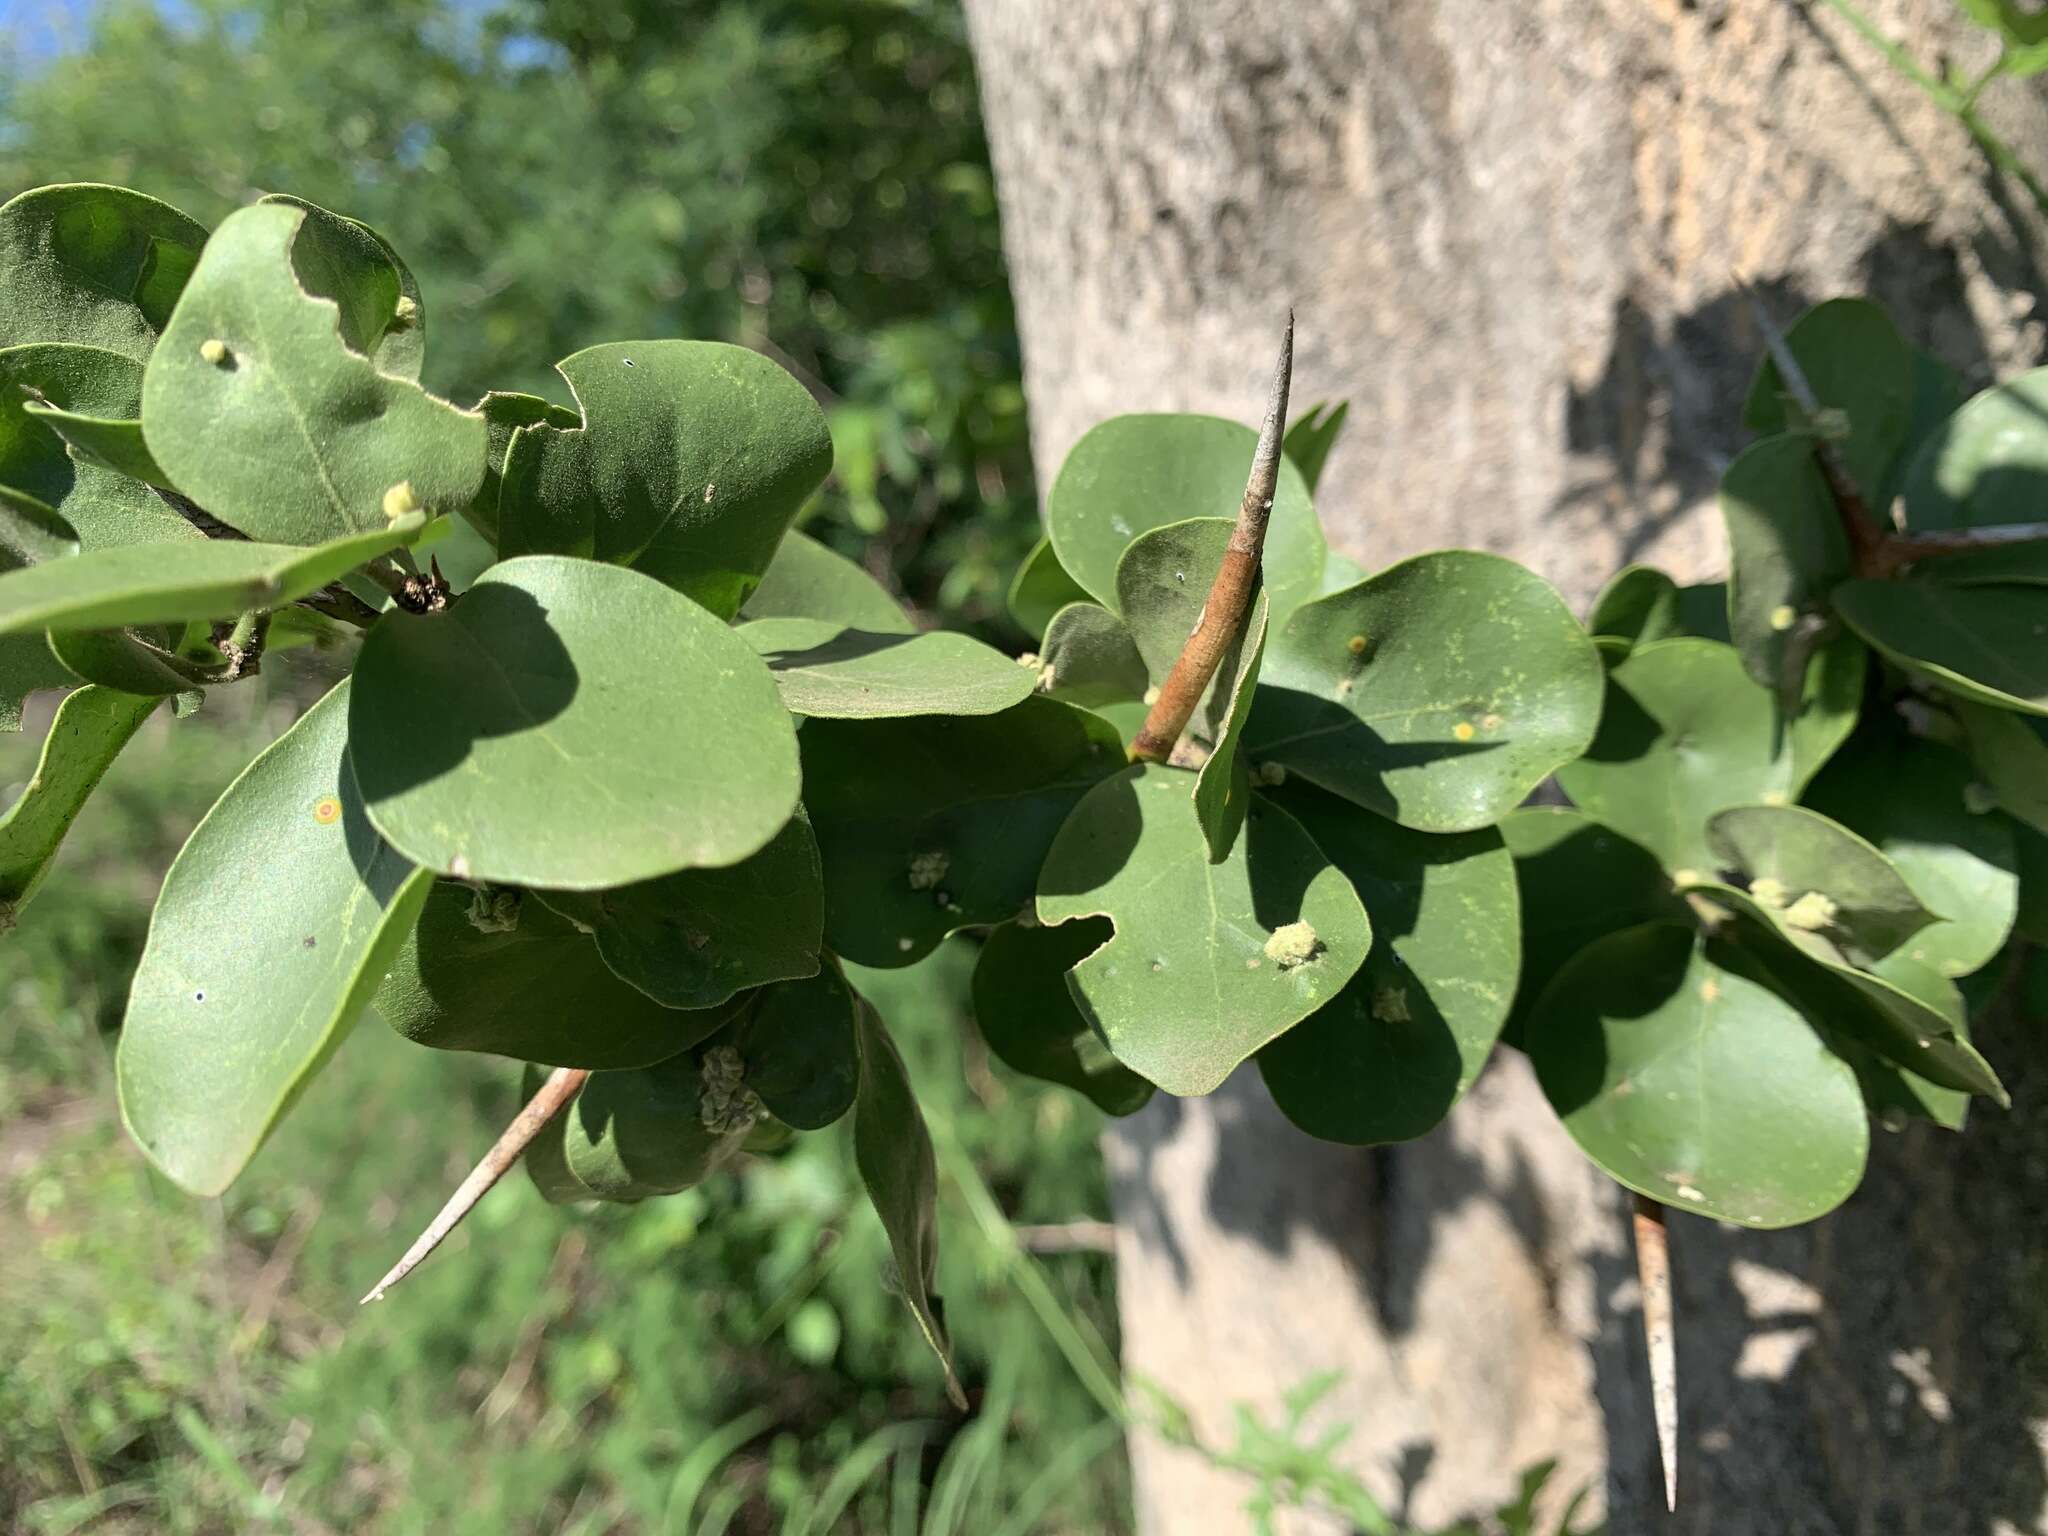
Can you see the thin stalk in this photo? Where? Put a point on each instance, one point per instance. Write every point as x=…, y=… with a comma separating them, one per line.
x=1230, y=594
x=563, y=1084
x=341, y=605
x=1653, y=1269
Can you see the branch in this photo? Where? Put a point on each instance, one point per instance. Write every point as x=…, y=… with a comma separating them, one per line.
x=1653, y=1269
x=563, y=1084
x=341, y=605
x=1230, y=595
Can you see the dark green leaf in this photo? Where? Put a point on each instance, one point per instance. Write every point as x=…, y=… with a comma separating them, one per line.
x=26, y=667
x=513, y=738
x=1439, y=693
x=504, y=413
x=1030, y=1019
x=31, y=533
x=936, y=823
x=826, y=670
x=1859, y=365
x=1578, y=881
x=1819, y=878
x=1222, y=785
x=1911, y=798
x=1638, y=605
x=497, y=971
x=1889, y=1090
x=1089, y=658
x=800, y=1051
x=376, y=300
x=546, y=1161
x=1786, y=552
x=894, y=1154
x=2011, y=751
x=258, y=410
x=1686, y=733
x=1312, y=436
x=692, y=461
x=2023, y=562
x=806, y=580
x=1209, y=961
x=273, y=927
x=1040, y=589
x=91, y=727
x=648, y=1131
x=140, y=584
x=1696, y=1086
x=1132, y=474
x=154, y=661
x=1987, y=464
x=692, y=940
x=1389, y=1056
x=1981, y=643
x=100, y=266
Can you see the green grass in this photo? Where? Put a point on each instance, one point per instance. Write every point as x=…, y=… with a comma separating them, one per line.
x=726, y=1360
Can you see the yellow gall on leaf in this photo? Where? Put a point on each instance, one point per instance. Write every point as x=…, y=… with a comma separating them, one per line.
x=1292, y=945
x=400, y=500
x=1783, y=617
x=1463, y=730
x=1770, y=892
x=928, y=869
x=214, y=350
x=406, y=313
x=1355, y=645
x=1811, y=912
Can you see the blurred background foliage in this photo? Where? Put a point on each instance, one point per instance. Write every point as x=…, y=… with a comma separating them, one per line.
x=805, y=176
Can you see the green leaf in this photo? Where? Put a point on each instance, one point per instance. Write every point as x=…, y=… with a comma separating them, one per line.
x=1890, y=1091
x=273, y=926
x=2023, y=562
x=2031, y=923
x=1388, y=1057
x=545, y=1158
x=1686, y=733
x=1692, y=1084
x=26, y=667
x=2011, y=751
x=1789, y=855
x=497, y=971
x=257, y=409
x=100, y=266
x=1313, y=435
x=504, y=412
x=101, y=502
x=1439, y=693
x=1030, y=1019
x=1858, y=364
x=154, y=661
x=1786, y=553
x=1638, y=605
x=1089, y=658
x=1132, y=474
x=825, y=670
x=1209, y=961
x=937, y=822
x=376, y=300
x=140, y=584
x=1885, y=1016
x=1981, y=643
x=514, y=738
x=1987, y=464
x=634, y=1134
x=89, y=730
x=2020, y=26
x=806, y=580
x=894, y=1153
x=1911, y=799
x=1578, y=881
x=1222, y=790
x=691, y=462
x=800, y=1049
x=693, y=940
x=1041, y=588
x=31, y=533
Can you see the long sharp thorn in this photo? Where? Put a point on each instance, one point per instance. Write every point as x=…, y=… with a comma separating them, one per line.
x=1653, y=1268
x=562, y=1085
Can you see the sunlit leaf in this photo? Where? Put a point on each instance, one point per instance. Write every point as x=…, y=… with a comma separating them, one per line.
x=1988, y=463
x=1089, y=658
x=1388, y=1057
x=1981, y=643
x=824, y=669
x=1858, y=365
x=1311, y=437
x=1041, y=588
x=1819, y=878
x=513, y=739
x=1439, y=693
x=71, y=436
x=100, y=266
x=692, y=460
x=271, y=932
x=1695, y=1085
x=376, y=300
x=504, y=412
x=1209, y=961
x=91, y=727
x=805, y=580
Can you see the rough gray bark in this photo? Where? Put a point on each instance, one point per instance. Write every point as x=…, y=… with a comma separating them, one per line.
x=1510, y=233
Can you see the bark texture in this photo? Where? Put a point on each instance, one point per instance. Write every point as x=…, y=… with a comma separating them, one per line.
x=1510, y=234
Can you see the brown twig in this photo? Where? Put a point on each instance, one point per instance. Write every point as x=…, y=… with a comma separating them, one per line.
x=338, y=603
x=563, y=1084
x=1230, y=594
x=1653, y=1269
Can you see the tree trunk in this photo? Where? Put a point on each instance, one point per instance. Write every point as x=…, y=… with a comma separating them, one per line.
x=1511, y=234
